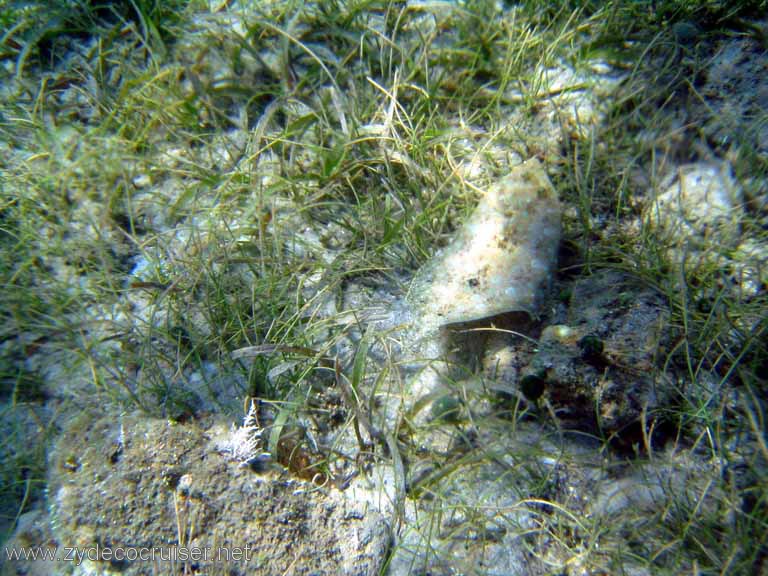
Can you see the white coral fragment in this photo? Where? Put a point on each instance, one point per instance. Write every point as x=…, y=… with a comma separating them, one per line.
x=245, y=442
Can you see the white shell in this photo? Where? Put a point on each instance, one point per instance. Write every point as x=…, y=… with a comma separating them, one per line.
x=499, y=260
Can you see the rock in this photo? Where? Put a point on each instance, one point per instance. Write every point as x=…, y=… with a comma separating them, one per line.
x=700, y=209
x=699, y=217
x=33, y=531
x=750, y=268
x=141, y=482
x=599, y=369
x=650, y=487
x=733, y=94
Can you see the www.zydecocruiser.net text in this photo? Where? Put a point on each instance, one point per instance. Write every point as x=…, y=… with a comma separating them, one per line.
x=131, y=554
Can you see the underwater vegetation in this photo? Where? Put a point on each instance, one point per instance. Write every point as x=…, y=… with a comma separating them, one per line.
x=443, y=287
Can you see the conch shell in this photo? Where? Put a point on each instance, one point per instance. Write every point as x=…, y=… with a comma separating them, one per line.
x=499, y=260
